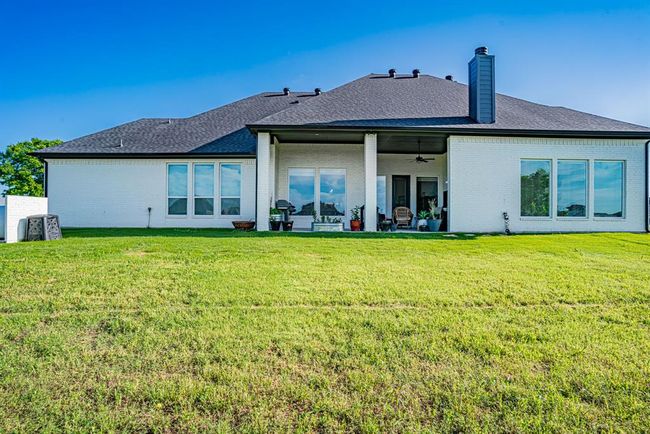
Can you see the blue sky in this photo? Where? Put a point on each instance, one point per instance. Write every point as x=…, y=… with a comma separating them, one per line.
x=70, y=68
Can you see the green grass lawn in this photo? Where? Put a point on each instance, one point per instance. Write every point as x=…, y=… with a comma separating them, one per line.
x=192, y=330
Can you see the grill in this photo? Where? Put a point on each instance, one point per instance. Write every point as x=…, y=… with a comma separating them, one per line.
x=286, y=208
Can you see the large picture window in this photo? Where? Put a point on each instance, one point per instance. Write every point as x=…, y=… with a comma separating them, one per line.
x=535, y=188
x=204, y=189
x=609, y=188
x=571, y=188
x=230, y=189
x=332, y=192
x=177, y=189
x=301, y=190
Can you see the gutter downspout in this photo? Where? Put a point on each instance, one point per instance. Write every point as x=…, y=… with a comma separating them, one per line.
x=647, y=186
x=256, y=163
x=45, y=178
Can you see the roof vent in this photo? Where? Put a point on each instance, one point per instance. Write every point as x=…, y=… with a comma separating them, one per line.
x=449, y=77
x=392, y=72
x=286, y=91
x=317, y=91
x=416, y=73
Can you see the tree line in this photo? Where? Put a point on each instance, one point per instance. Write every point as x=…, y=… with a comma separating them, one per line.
x=22, y=173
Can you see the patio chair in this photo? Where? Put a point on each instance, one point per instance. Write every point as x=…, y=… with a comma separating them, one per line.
x=402, y=216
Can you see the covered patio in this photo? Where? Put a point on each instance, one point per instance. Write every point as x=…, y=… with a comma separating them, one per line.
x=327, y=174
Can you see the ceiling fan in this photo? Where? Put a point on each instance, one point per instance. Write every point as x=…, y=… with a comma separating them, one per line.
x=420, y=158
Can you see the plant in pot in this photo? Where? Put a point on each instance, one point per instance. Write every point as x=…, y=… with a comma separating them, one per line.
x=275, y=219
x=434, y=219
x=355, y=221
x=422, y=220
x=327, y=224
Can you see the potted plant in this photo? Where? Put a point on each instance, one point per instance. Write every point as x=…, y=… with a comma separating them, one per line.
x=275, y=219
x=275, y=214
x=327, y=224
x=422, y=220
x=355, y=221
x=434, y=219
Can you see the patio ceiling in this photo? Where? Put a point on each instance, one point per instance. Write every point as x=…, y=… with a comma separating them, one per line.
x=387, y=142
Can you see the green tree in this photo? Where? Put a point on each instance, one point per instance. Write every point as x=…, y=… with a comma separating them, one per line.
x=22, y=173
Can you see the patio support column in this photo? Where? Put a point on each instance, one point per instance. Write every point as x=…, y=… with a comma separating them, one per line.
x=263, y=181
x=370, y=169
x=272, y=175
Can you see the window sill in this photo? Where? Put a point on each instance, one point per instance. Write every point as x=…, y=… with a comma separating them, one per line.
x=535, y=219
x=609, y=219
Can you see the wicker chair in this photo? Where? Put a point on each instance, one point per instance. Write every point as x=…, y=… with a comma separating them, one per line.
x=402, y=216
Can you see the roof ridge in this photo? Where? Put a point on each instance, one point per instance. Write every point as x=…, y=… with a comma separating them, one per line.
x=325, y=93
x=110, y=129
x=257, y=95
x=251, y=97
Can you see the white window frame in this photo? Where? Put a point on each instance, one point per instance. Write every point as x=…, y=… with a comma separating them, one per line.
x=317, y=187
x=214, y=190
x=555, y=190
x=188, y=196
x=623, y=192
x=317, y=171
x=220, y=196
x=551, y=189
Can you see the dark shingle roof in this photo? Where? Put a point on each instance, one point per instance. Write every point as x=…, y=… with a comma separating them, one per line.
x=219, y=131
x=430, y=102
x=375, y=101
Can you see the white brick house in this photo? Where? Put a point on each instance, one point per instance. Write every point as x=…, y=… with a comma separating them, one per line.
x=382, y=141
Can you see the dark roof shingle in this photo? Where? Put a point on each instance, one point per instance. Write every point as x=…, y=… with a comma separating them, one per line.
x=219, y=131
x=375, y=100
x=430, y=102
